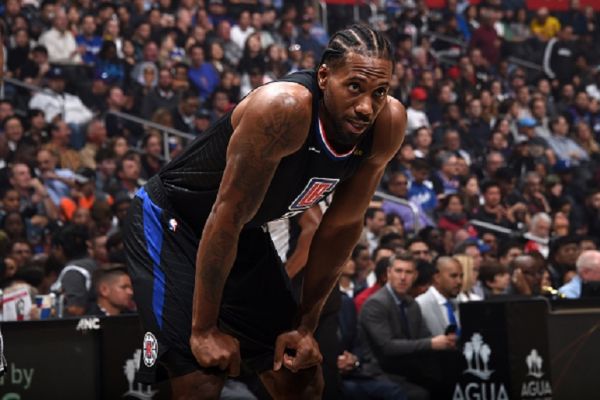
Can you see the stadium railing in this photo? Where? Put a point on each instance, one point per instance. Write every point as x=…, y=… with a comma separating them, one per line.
x=165, y=131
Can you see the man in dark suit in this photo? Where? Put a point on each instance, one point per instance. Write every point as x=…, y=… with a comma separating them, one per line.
x=396, y=336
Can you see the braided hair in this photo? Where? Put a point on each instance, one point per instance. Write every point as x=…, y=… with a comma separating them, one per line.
x=359, y=39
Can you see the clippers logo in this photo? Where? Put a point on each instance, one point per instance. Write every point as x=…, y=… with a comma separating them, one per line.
x=150, y=349
x=315, y=191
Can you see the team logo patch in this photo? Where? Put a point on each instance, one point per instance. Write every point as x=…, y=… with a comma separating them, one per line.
x=315, y=191
x=150, y=349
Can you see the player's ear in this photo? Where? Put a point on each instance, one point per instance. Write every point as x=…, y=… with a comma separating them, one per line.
x=322, y=74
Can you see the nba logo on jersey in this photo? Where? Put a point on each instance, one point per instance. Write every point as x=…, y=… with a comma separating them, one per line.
x=315, y=191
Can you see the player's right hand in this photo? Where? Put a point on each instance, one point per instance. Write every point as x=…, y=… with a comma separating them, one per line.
x=213, y=348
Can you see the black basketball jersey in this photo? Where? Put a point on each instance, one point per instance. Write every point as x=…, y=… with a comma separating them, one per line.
x=302, y=179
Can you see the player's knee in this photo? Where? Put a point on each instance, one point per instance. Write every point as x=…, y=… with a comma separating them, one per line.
x=197, y=386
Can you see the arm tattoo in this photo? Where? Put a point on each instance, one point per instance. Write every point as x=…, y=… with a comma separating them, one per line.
x=212, y=263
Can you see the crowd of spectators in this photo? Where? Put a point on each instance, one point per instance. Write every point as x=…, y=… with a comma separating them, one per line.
x=500, y=163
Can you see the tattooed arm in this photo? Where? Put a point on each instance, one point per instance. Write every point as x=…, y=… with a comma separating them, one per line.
x=270, y=124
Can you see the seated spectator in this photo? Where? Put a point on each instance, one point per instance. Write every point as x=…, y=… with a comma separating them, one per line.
x=539, y=234
x=563, y=255
x=69, y=247
x=470, y=279
x=397, y=185
x=396, y=338
x=445, y=179
x=494, y=278
x=56, y=101
x=420, y=189
x=588, y=270
x=453, y=216
x=526, y=276
x=161, y=96
x=114, y=292
x=438, y=304
x=381, y=267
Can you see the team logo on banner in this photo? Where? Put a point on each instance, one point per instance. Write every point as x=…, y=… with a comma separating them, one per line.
x=150, y=349
x=315, y=191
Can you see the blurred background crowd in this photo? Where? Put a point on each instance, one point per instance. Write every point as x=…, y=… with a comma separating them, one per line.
x=497, y=180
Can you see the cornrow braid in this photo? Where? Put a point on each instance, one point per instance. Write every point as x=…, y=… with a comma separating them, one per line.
x=359, y=39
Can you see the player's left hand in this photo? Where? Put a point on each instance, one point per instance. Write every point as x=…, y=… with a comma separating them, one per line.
x=304, y=347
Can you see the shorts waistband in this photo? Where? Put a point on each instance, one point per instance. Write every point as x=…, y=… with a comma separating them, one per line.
x=157, y=193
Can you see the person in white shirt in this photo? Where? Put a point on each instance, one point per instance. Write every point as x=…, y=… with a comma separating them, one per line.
x=438, y=305
x=60, y=42
x=241, y=31
x=415, y=114
x=55, y=101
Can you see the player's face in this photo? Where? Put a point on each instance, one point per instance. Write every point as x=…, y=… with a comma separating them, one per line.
x=354, y=93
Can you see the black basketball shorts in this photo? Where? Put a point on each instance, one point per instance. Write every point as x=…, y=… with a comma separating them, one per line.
x=257, y=303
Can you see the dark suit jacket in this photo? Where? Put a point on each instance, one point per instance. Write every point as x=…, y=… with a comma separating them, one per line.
x=386, y=345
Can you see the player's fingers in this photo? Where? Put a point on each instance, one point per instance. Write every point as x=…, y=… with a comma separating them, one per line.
x=280, y=344
x=290, y=362
x=234, y=364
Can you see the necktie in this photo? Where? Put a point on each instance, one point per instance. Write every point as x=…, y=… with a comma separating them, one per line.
x=451, y=316
x=404, y=320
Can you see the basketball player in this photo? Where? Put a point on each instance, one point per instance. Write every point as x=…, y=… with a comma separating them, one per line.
x=210, y=288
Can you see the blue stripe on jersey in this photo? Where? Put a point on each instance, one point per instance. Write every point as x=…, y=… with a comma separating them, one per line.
x=154, y=239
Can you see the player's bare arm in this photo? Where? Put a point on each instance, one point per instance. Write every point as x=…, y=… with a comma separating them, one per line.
x=268, y=125
x=342, y=224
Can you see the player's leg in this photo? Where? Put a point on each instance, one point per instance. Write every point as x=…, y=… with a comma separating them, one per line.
x=197, y=385
x=160, y=256
x=285, y=384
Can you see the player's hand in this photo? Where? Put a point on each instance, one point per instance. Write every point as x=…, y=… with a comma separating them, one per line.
x=213, y=348
x=304, y=347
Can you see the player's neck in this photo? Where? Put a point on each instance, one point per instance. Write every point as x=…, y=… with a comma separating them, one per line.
x=330, y=132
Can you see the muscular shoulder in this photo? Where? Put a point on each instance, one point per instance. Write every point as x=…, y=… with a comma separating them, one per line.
x=389, y=130
x=285, y=99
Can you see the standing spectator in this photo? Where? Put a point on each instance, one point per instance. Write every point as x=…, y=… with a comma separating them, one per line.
x=60, y=42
